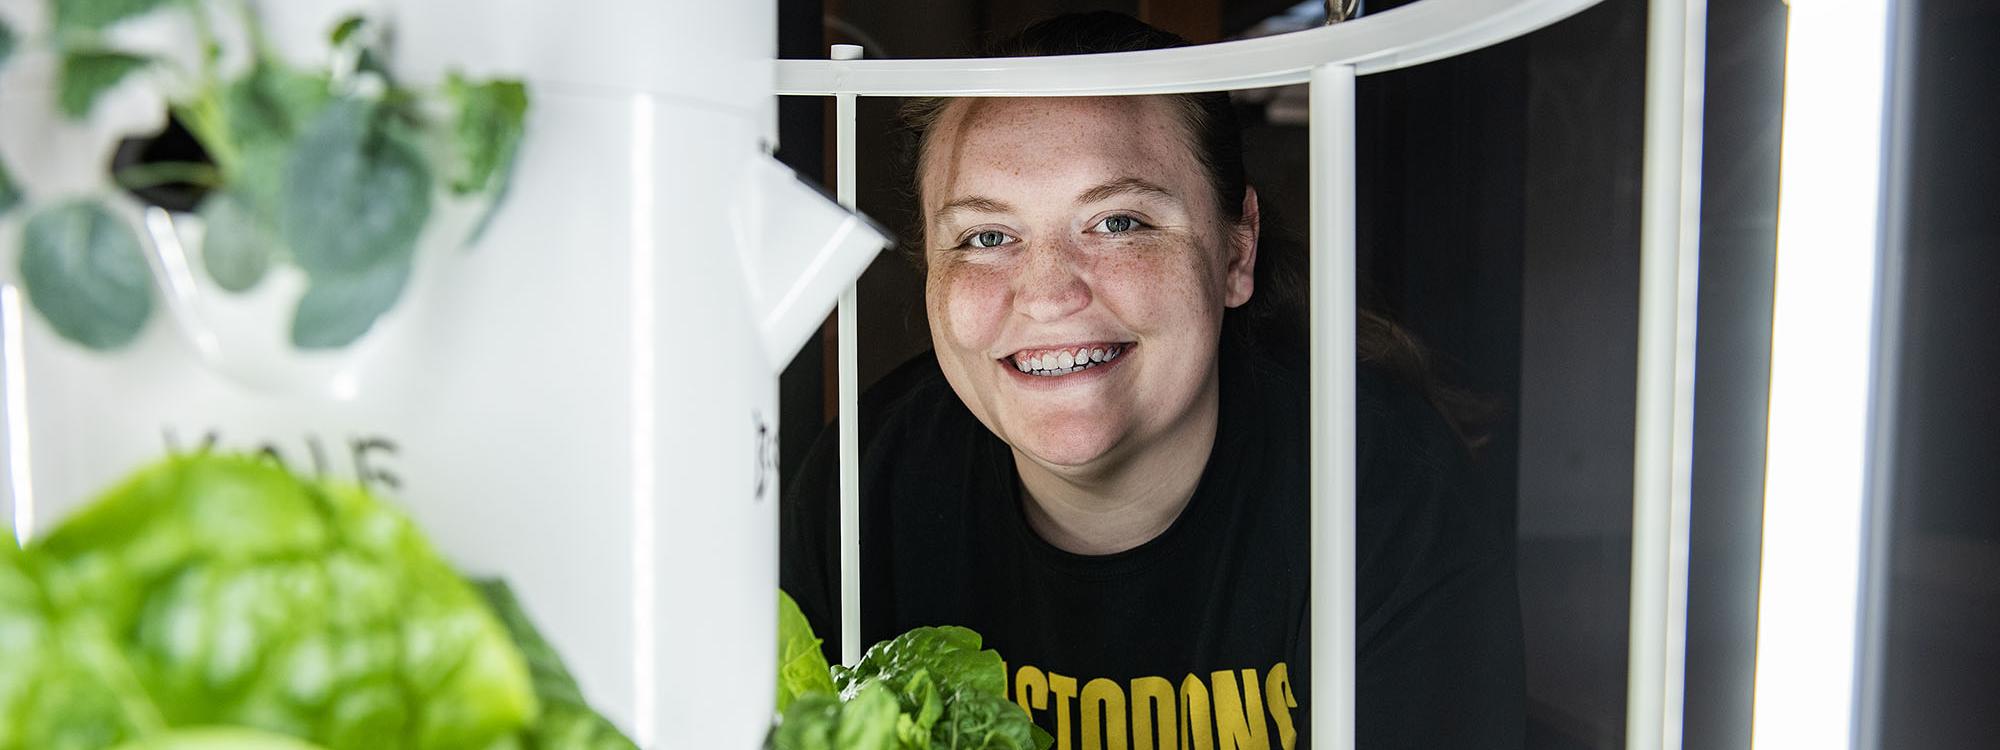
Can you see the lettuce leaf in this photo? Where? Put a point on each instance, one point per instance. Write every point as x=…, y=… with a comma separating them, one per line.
x=55, y=692
x=821, y=721
x=567, y=721
x=223, y=591
x=802, y=667
x=949, y=694
x=218, y=738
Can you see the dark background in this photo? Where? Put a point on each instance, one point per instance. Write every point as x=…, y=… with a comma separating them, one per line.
x=1939, y=398
x=1499, y=221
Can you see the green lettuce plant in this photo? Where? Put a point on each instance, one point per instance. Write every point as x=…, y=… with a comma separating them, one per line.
x=927, y=689
x=210, y=595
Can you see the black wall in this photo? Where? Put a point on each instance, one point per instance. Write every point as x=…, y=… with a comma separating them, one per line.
x=1940, y=398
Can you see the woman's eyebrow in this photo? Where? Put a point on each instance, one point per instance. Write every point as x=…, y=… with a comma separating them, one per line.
x=970, y=203
x=1123, y=186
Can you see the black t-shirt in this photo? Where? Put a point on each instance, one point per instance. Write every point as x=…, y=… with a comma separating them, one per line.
x=1200, y=633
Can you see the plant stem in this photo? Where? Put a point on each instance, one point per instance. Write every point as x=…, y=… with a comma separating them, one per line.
x=204, y=37
x=260, y=43
x=203, y=114
x=141, y=176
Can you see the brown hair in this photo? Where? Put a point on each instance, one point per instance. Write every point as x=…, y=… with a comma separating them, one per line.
x=1274, y=319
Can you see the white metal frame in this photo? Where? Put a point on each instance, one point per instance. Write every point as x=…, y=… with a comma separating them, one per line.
x=1329, y=59
x=1663, y=448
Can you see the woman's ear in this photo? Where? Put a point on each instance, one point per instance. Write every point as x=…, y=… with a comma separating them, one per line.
x=1240, y=278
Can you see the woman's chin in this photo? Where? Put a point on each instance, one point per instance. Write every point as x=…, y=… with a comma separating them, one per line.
x=1067, y=452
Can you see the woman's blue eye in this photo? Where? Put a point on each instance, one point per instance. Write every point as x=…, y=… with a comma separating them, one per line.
x=988, y=238
x=1118, y=224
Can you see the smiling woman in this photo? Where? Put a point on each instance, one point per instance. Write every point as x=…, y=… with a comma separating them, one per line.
x=1110, y=239
x=1096, y=475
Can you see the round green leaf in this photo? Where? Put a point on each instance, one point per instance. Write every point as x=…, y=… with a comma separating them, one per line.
x=337, y=309
x=6, y=41
x=256, y=180
x=271, y=103
x=85, y=76
x=351, y=198
x=10, y=195
x=97, y=14
x=84, y=272
x=237, y=246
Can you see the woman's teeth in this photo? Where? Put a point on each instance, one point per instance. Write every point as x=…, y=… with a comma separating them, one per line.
x=1052, y=364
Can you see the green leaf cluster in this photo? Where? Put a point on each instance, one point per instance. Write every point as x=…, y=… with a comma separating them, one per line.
x=822, y=721
x=221, y=591
x=948, y=693
x=486, y=130
x=567, y=721
x=310, y=169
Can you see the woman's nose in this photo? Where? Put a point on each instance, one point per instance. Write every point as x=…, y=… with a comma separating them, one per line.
x=1048, y=287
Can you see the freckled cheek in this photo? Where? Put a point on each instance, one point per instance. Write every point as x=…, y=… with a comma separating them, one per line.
x=968, y=305
x=1152, y=288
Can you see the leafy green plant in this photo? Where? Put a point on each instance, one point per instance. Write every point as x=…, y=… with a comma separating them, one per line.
x=220, y=602
x=567, y=721
x=10, y=195
x=217, y=738
x=6, y=41
x=94, y=15
x=927, y=689
x=822, y=721
x=333, y=172
x=802, y=668
x=223, y=591
x=87, y=74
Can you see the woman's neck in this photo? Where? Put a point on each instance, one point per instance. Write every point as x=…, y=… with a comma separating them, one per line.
x=1120, y=502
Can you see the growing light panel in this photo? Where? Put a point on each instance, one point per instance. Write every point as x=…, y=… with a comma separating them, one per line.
x=1822, y=343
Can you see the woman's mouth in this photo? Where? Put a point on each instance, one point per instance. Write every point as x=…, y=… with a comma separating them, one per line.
x=1053, y=363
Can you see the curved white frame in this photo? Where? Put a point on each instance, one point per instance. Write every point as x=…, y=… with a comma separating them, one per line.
x=1410, y=35
x=1329, y=58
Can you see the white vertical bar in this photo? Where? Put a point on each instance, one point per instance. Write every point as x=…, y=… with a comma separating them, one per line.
x=1670, y=231
x=21, y=485
x=1822, y=339
x=1878, y=596
x=645, y=360
x=1333, y=443
x=850, y=389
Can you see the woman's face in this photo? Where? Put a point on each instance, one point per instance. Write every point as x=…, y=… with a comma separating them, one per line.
x=1078, y=271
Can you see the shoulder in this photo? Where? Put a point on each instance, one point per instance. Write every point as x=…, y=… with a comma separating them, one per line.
x=912, y=408
x=1415, y=481
x=903, y=421
x=1388, y=410
x=906, y=413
